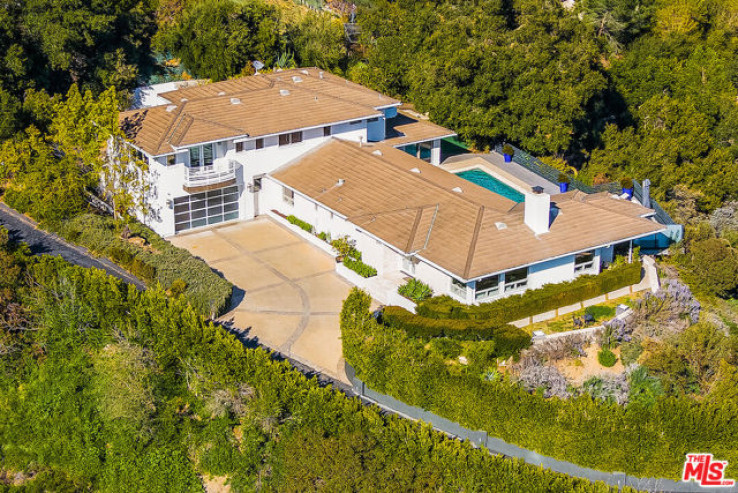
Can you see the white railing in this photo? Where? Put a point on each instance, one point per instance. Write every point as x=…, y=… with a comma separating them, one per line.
x=196, y=176
x=487, y=293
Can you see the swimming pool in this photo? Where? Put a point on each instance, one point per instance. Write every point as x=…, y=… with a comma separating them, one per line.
x=492, y=184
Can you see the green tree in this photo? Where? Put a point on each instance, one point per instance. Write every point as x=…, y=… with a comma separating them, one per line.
x=218, y=39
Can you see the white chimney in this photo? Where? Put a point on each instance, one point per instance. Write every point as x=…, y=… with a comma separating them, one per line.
x=538, y=211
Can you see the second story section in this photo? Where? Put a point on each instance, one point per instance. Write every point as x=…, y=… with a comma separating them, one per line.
x=202, y=134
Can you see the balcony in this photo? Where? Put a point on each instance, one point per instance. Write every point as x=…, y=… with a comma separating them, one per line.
x=216, y=175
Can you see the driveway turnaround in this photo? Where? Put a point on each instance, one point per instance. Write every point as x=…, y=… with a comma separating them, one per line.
x=288, y=295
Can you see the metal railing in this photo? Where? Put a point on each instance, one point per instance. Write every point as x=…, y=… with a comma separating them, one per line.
x=551, y=174
x=196, y=176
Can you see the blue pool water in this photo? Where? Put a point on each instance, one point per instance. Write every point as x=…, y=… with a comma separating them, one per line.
x=492, y=184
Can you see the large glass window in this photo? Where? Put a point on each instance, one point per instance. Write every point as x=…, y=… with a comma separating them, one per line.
x=194, y=156
x=516, y=279
x=207, y=154
x=487, y=287
x=584, y=261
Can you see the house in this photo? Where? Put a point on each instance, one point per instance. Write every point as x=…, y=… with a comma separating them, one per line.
x=351, y=162
x=208, y=145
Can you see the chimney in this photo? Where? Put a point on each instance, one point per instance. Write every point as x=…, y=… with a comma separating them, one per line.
x=538, y=210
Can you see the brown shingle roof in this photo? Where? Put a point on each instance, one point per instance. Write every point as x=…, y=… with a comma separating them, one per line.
x=408, y=129
x=383, y=193
x=207, y=113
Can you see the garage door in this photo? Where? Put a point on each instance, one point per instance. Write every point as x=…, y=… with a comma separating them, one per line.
x=203, y=209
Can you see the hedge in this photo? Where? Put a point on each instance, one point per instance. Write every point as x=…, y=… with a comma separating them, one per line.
x=509, y=340
x=638, y=440
x=300, y=223
x=156, y=262
x=535, y=301
x=413, y=456
x=359, y=267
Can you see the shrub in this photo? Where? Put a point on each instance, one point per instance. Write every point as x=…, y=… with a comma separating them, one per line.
x=587, y=432
x=300, y=223
x=607, y=358
x=564, y=178
x=178, y=287
x=626, y=183
x=345, y=249
x=360, y=267
x=509, y=340
x=508, y=149
x=323, y=236
x=159, y=261
x=447, y=348
x=415, y=290
x=535, y=301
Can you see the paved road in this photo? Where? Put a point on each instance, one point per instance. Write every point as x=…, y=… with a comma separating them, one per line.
x=21, y=228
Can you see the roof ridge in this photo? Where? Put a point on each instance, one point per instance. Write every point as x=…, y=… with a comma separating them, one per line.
x=420, y=176
x=473, y=242
x=414, y=229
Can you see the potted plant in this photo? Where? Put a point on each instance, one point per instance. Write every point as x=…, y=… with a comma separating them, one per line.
x=627, y=187
x=508, y=151
x=563, y=182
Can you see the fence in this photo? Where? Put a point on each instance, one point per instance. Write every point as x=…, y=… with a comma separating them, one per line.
x=498, y=446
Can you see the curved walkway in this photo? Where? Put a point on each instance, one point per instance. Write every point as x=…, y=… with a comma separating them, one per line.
x=288, y=296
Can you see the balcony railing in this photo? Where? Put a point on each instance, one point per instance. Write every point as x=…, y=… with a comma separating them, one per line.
x=198, y=176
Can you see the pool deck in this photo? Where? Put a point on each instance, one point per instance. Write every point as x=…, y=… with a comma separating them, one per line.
x=509, y=173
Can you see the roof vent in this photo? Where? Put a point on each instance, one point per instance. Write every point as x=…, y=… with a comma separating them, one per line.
x=415, y=170
x=221, y=93
x=320, y=74
x=296, y=79
x=171, y=108
x=305, y=72
x=184, y=100
x=340, y=182
x=284, y=92
x=457, y=189
x=235, y=101
x=377, y=152
x=501, y=225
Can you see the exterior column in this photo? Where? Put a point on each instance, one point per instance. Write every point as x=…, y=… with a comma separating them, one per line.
x=436, y=152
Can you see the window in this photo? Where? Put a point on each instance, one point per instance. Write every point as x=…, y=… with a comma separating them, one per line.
x=259, y=143
x=194, y=156
x=355, y=123
x=293, y=138
x=458, y=288
x=288, y=196
x=516, y=279
x=239, y=146
x=375, y=119
x=207, y=154
x=171, y=159
x=584, y=261
x=487, y=287
x=327, y=131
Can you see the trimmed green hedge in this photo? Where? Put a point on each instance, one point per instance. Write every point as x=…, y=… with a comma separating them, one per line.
x=373, y=450
x=157, y=262
x=300, y=223
x=638, y=440
x=509, y=340
x=359, y=267
x=535, y=301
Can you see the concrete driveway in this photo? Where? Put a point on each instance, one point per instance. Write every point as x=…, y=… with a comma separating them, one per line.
x=289, y=295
